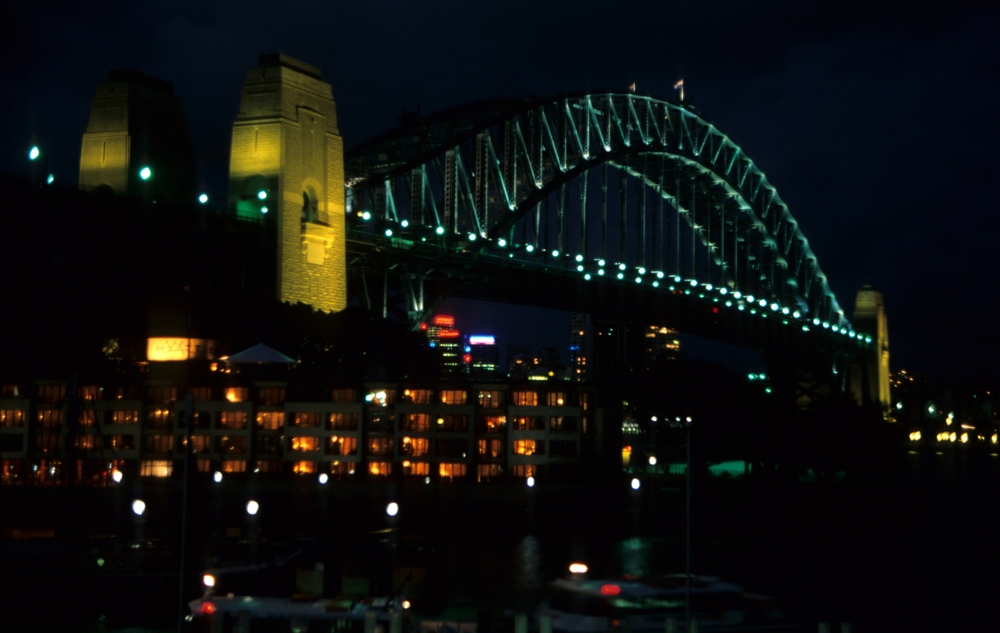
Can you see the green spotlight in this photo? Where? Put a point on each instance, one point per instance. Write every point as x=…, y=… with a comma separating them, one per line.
x=262, y=194
x=145, y=173
x=203, y=198
x=34, y=153
x=51, y=179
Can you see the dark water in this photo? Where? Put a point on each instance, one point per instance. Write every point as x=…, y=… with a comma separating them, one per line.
x=915, y=550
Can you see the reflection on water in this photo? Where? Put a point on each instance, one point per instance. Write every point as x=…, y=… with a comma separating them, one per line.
x=633, y=554
x=528, y=570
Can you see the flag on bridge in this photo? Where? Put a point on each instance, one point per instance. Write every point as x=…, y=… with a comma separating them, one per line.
x=680, y=86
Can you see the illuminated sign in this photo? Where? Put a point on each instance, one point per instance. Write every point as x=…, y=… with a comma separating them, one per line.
x=448, y=334
x=444, y=320
x=482, y=339
x=162, y=348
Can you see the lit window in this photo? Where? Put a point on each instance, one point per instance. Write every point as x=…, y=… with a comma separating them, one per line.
x=200, y=443
x=233, y=419
x=342, y=468
x=450, y=471
x=555, y=398
x=416, y=469
x=380, y=397
x=236, y=444
x=380, y=446
x=51, y=394
x=486, y=472
x=124, y=417
x=416, y=422
x=156, y=468
x=414, y=446
x=49, y=418
x=13, y=417
x=233, y=466
x=379, y=469
x=270, y=420
x=159, y=419
x=343, y=445
x=309, y=420
x=236, y=394
x=418, y=396
x=528, y=423
x=524, y=398
x=490, y=399
x=90, y=392
x=524, y=447
x=453, y=396
x=490, y=448
x=305, y=444
x=85, y=442
x=304, y=468
x=523, y=471
x=344, y=421
x=493, y=423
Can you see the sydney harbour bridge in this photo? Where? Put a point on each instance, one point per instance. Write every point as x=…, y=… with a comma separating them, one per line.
x=617, y=204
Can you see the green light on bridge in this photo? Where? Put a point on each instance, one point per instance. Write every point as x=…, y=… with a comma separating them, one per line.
x=600, y=271
x=656, y=284
x=529, y=248
x=621, y=275
x=501, y=242
x=579, y=258
x=638, y=280
x=366, y=216
x=601, y=263
x=439, y=230
x=587, y=276
x=388, y=232
x=404, y=223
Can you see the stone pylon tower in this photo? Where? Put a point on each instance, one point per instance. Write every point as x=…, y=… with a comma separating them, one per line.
x=872, y=382
x=287, y=167
x=137, y=121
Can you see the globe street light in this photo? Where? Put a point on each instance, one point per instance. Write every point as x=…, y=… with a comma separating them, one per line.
x=116, y=476
x=138, y=507
x=252, y=507
x=217, y=477
x=635, y=483
x=145, y=173
x=392, y=509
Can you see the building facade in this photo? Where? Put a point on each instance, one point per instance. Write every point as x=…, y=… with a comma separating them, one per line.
x=55, y=434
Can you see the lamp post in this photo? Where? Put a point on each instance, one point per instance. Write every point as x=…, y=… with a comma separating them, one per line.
x=687, y=530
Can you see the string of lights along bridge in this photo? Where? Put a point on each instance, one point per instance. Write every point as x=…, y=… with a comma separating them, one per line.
x=615, y=188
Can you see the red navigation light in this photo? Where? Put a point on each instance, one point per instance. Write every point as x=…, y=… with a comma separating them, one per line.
x=448, y=334
x=611, y=590
x=209, y=608
x=423, y=327
x=715, y=309
x=445, y=320
x=467, y=358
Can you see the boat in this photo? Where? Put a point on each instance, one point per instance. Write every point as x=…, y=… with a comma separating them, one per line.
x=582, y=605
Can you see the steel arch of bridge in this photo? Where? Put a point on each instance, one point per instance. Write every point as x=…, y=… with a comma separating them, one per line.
x=518, y=178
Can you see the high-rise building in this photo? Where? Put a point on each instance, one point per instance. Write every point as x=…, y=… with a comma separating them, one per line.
x=481, y=357
x=579, y=328
x=662, y=342
x=445, y=338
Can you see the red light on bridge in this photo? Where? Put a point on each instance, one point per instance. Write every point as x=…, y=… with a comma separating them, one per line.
x=467, y=358
x=611, y=590
x=444, y=320
x=423, y=327
x=207, y=607
x=715, y=310
x=448, y=334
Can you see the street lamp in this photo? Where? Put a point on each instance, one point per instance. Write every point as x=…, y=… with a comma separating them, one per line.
x=145, y=173
x=531, y=482
x=138, y=507
x=323, y=478
x=217, y=477
x=203, y=198
x=392, y=509
x=252, y=507
x=635, y=483
x=34, y=153
x=116, y=476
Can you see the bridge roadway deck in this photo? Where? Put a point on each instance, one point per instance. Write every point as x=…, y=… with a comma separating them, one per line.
x=489, y=277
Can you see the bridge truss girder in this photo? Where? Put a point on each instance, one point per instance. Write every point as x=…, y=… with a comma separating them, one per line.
x=520, y=177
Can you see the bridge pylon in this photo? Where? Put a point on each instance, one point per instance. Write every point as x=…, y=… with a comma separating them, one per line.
x=870, y=375
x=287, y=168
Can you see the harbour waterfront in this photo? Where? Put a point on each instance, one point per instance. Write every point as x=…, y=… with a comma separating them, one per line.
x=915, y=550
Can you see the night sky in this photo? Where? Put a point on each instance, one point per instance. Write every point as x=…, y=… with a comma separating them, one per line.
x=878, y=125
